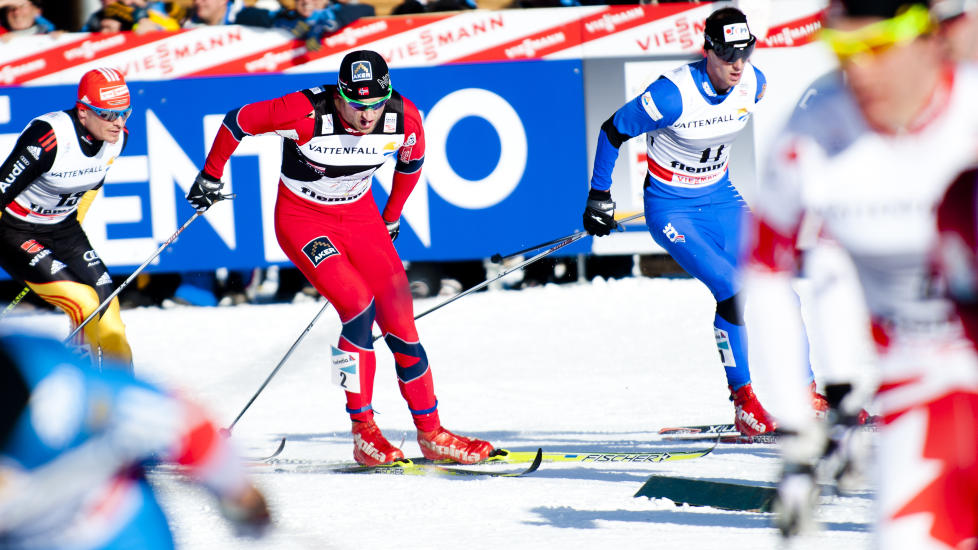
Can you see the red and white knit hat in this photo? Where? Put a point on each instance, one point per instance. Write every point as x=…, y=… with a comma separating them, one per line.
x=104, y=88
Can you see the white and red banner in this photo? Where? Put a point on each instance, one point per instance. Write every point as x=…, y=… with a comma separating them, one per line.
x=405, y=41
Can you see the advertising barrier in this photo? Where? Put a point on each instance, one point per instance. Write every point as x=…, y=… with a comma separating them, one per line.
x=509, y=102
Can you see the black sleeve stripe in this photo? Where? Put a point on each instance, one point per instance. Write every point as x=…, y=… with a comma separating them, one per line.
x=231, y=121
x=409, y=167
x=615, y=137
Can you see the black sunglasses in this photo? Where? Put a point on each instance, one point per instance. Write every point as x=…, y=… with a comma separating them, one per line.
x=732, y=52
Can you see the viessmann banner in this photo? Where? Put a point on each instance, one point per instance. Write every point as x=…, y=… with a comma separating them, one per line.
x=505, y=164
x=501, y=92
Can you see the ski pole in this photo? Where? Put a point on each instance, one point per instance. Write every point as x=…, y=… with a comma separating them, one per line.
x=226, y=432
x=13, y=303
x=125, y=283
x=564, y=241
x=496, y=258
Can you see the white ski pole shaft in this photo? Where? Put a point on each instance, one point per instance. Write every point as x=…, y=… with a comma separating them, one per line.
x=569, y=239
x=227, y=431
x=125, y=283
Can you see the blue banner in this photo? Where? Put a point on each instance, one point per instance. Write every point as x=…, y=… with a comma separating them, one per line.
x=505, y=165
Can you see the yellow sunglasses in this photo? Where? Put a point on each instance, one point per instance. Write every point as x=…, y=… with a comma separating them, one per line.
x=880, y=36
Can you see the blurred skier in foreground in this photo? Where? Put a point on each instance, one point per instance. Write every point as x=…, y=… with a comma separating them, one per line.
x=73, y=442
x=869, y=159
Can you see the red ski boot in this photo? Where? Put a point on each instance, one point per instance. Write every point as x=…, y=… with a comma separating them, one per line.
x=750, y=417
x=370, y=447
x=441, y=444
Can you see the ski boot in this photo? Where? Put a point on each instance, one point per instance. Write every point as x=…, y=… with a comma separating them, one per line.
x=370, y=447
x=750, y=418
x=441, y=444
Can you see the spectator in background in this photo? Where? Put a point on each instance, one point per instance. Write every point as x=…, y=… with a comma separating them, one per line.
x=107, y=23
x=545, y=3
x=213, y=12
x=22, y=18
x=307, y=20
x=348, y=11
x=409, y=6
x=311, y=20
x=422, y=6
x=451, y=5
x=136, y=15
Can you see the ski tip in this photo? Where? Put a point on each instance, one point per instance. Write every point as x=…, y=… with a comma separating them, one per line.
x=224, y=432
x=537, y=460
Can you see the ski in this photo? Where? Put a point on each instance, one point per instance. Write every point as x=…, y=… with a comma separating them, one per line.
x=278, y=451
x=648, y=456
x=408, y=467
x=424, y=466
x=734, y=437
x=504, y=456
x=700, y=429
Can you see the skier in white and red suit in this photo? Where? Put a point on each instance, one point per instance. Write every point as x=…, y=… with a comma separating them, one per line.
x=326, y=221
x=870, y=158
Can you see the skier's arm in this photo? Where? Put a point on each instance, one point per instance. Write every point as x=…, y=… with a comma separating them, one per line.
x=33, y=154
x=410, y=157
x=289, y=116
x=657, y=107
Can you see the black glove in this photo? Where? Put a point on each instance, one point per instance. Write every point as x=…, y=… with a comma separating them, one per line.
x=599, y=214
x=393, y=228
x=204, y=192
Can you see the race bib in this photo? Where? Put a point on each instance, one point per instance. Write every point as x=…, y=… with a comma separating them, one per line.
x=346, y=369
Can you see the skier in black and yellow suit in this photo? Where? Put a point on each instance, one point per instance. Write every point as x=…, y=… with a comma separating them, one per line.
x=46, y=184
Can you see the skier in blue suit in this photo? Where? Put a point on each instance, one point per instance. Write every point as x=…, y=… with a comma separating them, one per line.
x=691, y=116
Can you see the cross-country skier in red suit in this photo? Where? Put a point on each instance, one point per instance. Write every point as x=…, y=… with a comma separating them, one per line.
x=326, y=221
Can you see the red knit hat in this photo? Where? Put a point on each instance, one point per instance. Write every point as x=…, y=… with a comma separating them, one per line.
x=104, y=88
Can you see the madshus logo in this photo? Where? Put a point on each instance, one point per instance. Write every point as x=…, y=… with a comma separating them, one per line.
x=319, y=249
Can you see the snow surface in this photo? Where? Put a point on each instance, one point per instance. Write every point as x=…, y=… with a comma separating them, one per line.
x=599, y=366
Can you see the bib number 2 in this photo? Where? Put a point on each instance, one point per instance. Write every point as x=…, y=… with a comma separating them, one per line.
x=346, y=369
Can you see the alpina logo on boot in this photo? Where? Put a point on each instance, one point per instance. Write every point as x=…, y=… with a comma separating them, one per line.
x=451, y=451
x=368, y=448
x=748, y=418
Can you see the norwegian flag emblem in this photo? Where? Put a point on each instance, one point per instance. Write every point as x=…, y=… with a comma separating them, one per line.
x=363, y=91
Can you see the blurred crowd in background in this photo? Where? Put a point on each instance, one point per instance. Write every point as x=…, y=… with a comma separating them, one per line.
x=308, y=20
